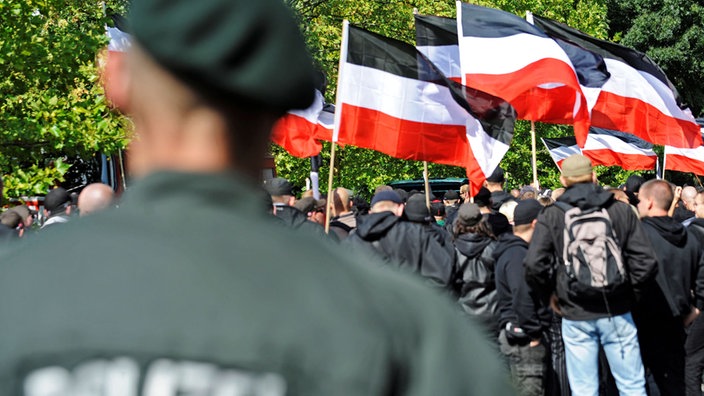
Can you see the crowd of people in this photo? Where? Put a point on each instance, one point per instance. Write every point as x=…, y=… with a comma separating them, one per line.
x=201, y=283
x=503, y=257
x=57, y=207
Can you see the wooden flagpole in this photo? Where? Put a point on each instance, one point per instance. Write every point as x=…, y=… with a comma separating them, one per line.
x=336, y=127
x=427, y=184
x=534, y=155
x=328, y=205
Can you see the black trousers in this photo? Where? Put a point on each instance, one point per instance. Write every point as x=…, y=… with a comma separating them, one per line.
x=528, y=365
x=662, y=347
x=694, y=357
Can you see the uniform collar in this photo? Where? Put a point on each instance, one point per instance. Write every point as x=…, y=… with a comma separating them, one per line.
x=228, y=189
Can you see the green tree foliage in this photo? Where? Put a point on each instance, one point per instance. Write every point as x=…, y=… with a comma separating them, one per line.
x=671, y=32
x=52, y=104
x=362, y=169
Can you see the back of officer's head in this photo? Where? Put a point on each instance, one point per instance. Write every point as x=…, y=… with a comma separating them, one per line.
x=199, y=67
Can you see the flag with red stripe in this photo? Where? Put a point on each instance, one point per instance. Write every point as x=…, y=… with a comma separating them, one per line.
x=561, y=148
x=296, y=131
x=506, y=56
x=686, y=160
x=614, y=148
x=392, y=99
x=638, y=97
x=326, y=123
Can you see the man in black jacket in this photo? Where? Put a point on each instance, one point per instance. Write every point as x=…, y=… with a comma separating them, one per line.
x=522, y=321
x=281, y=191
x=495, y=184
x=587, y=323
x=187, y=288
x=402, y=243
x=694, y=345
x=668, y=302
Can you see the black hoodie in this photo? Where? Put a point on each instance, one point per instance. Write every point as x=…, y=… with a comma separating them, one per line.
x=404, y=245
x=545, y=271
x=679, y=254
x=516, y=303
x=498, y=198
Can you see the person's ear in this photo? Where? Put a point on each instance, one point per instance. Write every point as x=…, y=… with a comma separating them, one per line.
x=115, y=79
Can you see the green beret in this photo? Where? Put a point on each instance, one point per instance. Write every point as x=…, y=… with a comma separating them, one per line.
x=250, y=50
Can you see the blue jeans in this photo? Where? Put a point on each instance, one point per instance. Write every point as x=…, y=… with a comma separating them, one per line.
x=619, y=339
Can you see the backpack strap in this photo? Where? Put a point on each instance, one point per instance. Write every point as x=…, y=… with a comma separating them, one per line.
x=341, y=225
x=562, y=205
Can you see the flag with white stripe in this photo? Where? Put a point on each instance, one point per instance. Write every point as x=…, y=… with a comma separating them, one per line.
x=638, y=98
x=436, y=38
x=506, y=56
x=392, y=99
x=686, y=160
x=614, y=148
x=296, y=130
x=561, y=148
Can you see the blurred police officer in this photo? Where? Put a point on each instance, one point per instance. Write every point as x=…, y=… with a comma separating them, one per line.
x=187, y=288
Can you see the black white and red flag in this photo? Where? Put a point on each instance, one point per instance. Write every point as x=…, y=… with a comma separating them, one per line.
x=436, y=38
x=638, y=97
x=561, y=148
x=296, y=132
x=392, y=99
x=504, y=55
x=614, y=148
x=686, y=159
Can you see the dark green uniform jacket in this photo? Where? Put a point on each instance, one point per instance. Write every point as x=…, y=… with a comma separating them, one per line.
x=186, y=289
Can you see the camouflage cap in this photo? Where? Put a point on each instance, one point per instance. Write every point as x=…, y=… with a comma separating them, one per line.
x=252, y=51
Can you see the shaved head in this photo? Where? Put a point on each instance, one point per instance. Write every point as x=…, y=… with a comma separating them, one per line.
x=688, y=195
x=94, y=198
x=655, y=198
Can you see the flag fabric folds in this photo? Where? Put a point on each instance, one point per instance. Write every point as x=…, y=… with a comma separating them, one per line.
x=297, y=131
x=561, y=148
x=685, y=160
x=392, y=99
x=638, y=98
x=604, y=147
x=614, y=148
x=506, y=56
x=436, y=38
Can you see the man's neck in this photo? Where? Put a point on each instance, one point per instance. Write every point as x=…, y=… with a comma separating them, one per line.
x=526, y=236
x=494, y=187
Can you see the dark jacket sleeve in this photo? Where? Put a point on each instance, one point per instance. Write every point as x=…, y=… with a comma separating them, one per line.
x=539, y=261
x=437, y=262
x=698, y=233
x=638, y=253
x=521, y=298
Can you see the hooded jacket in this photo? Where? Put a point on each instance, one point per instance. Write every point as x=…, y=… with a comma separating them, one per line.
x=404, y=245
x=545, y=269
x=475, y=273
x=517, y=304
x=498, y=198
x=679, y=254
